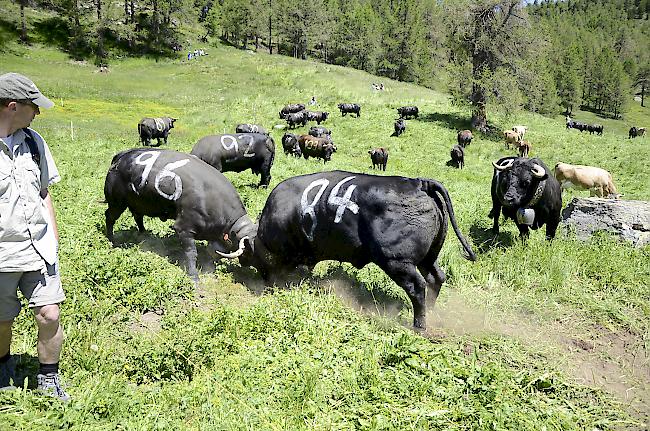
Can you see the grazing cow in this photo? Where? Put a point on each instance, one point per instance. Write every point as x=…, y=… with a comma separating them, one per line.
x=577, y=125
x=511, y=137
x=598, y=128
x=524, y=148
x=400, y=127
x=523, y=191
x=317, y=116
x=250, y=128
x=408, y=111
x=464, y=138
x=636, y=131
x=290, y=144
x=238, y=152
x=379, y=158
x=158, y=128
x=521, y=130
x=398, y=223
x=320, y=148
x=172, y=185
x=320, y=131
x=349, y=108
x=291, y=109
x=598, y=181
x=295, y=118
x=457, y=154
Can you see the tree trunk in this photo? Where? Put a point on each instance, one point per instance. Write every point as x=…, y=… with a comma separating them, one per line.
x=270, y=27
x=23, y=24
x=642, y=94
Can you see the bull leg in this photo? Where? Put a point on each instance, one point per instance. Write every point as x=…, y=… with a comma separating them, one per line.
x=524, y=231
x=405, y=274
x=265, y=178
x=551, y=228
x=189, y=246
x=494, y=214
x=112, y=213
x=434, y=276
x=139, y=220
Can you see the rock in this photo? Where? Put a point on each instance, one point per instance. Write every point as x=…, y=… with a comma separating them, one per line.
x=629, y=220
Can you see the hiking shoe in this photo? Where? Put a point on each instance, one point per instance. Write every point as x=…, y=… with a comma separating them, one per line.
x=7, y=375
x=50, y=385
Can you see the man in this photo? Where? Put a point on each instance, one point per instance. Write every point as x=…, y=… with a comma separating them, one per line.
x=28, y=231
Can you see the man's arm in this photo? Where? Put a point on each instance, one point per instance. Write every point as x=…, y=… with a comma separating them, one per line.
x=50, y=207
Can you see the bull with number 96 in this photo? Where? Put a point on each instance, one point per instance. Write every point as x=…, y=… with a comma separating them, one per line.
x=171, y=185
x=238, y=152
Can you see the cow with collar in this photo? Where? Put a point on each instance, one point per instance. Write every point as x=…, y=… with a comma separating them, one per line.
x=398, y=223
x=525, y=191
x=238, y=152
x=168, y=184
x=158, y=128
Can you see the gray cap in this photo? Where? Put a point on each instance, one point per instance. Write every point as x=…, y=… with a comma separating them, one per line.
x=19, y=87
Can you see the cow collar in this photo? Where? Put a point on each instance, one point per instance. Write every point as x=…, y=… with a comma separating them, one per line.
x=537, y=196
x=237, y=226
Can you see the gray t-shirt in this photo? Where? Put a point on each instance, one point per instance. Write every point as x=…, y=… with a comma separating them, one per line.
x=26, y=232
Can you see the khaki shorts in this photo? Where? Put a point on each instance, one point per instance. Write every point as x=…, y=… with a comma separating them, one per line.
x=39, y=287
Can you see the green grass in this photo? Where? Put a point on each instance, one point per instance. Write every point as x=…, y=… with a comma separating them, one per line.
x=501, y=350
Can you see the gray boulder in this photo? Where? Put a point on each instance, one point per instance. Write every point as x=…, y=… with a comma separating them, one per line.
x=629, y=220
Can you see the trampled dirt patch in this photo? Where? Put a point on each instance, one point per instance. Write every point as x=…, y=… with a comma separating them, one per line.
x=619, y=363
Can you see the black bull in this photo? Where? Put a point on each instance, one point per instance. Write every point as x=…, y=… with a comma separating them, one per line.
x=238, y=152
x=520, y=185
x=170, y=185
x=398, y=223
x=155, y=128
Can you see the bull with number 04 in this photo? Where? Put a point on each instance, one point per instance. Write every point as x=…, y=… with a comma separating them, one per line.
x=238, y=152
x=398, y=223
x=171, y=185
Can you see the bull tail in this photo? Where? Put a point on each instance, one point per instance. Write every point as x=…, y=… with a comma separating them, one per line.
x=431, y=187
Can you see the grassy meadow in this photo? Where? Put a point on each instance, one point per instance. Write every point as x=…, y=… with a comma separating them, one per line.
x=534, y=336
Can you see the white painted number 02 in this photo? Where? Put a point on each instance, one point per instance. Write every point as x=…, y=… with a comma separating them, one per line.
x=147, y=159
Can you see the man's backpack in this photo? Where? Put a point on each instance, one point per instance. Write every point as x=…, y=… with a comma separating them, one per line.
x=33, y=147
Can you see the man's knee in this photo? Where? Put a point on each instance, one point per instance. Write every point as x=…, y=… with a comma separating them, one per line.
x=47, y=315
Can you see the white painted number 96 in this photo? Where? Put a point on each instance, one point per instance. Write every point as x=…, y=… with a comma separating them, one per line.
x=147, y=159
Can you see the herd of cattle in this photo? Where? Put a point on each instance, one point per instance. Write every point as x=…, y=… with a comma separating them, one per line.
x=398, y=223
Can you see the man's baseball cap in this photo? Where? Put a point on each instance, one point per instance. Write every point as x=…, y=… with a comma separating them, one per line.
x=19, y=87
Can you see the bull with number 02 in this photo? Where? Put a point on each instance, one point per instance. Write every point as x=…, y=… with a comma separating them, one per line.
x=398, y=223
x=238, y=152
x=171, y=185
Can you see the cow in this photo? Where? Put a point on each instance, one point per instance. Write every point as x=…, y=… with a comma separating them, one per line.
x=464, y=138
x=379, y=158
x=349, y=108
x=398, y=223
x=158, y=128
x=290, y=144
x=171, y=185
x=317, y=116
x=524, y=148
x=250, y=128
x=521, y=130
x=598, y=128
x=511, y=137
x=319, y=131
x=523, y=191
x=399, y=126
x=291, y=109
x=598, y=181
x=238, y=152
x=577, y=125
x=408, y=111
x=320, y=148
x=457, y=154
x=636, y=131
x=295, y=118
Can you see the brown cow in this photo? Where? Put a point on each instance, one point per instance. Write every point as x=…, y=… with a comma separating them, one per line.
x=598, y=181
x=320, y=148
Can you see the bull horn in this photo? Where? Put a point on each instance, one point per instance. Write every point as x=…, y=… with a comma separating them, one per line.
x=538, y=171
x=503, y=166
x=235, y=253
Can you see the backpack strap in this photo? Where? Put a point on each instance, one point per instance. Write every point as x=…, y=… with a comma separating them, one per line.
x=33, y=147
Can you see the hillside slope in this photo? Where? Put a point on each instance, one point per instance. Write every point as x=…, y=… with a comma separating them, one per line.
x=532, y=336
